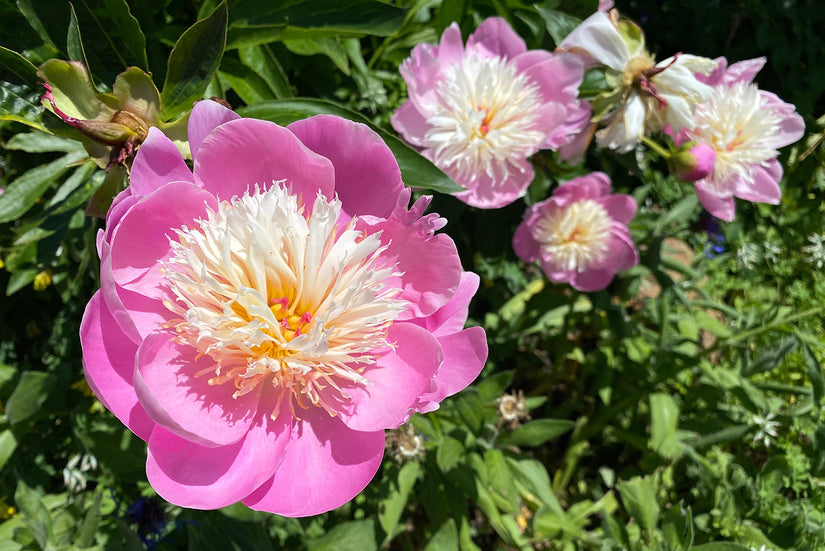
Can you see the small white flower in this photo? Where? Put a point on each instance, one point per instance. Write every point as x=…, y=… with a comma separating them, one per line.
x=771, y=252
x=74, y=473
x=748, y=255
x=816, y=249
x=766, y=429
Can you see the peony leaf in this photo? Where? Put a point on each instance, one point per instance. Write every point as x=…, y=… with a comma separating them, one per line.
x=193, y=63
x=21, y=103
x=19, y=66
x=536, y=433
x=249, y=86
x=29, y=394
x=416, y=171
x=254, y=23
x=262, y=60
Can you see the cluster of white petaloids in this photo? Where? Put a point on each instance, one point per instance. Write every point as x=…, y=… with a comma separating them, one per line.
x=576, y=237
x=270, y=291
x=740, y=127
x=486, y=121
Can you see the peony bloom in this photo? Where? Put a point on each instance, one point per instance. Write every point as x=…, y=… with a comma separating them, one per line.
x=745, y=126
x=265, y=316
x=579, y=235
x=480, y=111
x=646, y=96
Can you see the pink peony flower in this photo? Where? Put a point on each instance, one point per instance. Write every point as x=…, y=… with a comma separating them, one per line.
x=264, y=317
x=480, y=111
x=579, y=235
x=692, y=161
x=745, y=126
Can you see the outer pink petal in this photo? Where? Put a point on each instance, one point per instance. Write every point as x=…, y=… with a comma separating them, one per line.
x=108, y=363
x=744, y=71
x=496, y=37
x=791, y=127
x=525, y=246
x=184, y=403
x=621, y=253
x=558, y=76
x=422, y=73
x=429, y=265
x=719, y=206
x=592, y=280
x=451, y=47
x=157, y=162
x=451, y=317
x=763, y=186
x=108, y=290
x=485, y=194
x=326, y=465
x=620, y=207
x=239, y=154
x=191, y=475
x=396, y=380
x=409, y=122
x=367, y=177
x=464, y=355
x=205, y=117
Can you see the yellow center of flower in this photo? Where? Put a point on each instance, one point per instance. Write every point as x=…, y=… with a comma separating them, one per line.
x=272, y=293
x=576, y=236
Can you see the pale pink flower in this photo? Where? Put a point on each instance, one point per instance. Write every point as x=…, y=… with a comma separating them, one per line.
x=480, y=111
x=579, y=235
x=264, y=317
x=745, y=126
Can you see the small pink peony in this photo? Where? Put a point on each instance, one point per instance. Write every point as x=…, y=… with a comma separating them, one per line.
x=746, y=127
x=480, y=111
x=692, y=161
x=579, y=235
x=264, y=317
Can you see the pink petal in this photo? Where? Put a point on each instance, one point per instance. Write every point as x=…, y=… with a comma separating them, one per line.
x=451, y=47
x=409, y=122
x=191, y=475
x=620, y=207
x=791, y=127
x=762, y=186
x=429, y=265
x=326, y=465
x=496, y=37
x=464, y=355
x=157, y=162
x=484, y=193
x=185, y=403
x=367, y=177
x=721, y=207
x=108, y=290
x=744, y=71
x=525, y=246
x=592, y=280
x=205, y=117
x=108, y=364
x=558, y=76
x=239, y=154
x=396, y=380
x=451, y=317
x=422, y=73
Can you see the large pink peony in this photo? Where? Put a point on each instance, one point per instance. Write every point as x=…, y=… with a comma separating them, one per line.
x=746, y=127
x=480, y=111
x=579, y=235
x=264, y=317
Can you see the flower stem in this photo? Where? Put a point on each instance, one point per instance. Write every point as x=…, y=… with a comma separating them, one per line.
x=656, y=147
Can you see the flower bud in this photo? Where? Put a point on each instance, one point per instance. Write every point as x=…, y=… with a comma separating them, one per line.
x=693, y=161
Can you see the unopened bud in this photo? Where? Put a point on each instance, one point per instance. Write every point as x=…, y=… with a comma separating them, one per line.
x=693, y=161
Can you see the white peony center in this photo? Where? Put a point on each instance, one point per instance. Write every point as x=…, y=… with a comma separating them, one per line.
x=740, y=127
x=272, y=293
x=575, y=237
x=486, y=121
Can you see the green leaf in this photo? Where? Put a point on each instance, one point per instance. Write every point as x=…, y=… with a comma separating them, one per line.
x=358, y=535
x=30, y=393
x=416, y=171
x=639, y=497
x=250, y=87
x=74, y=43
x=256, y=23
x=448, y=453
x=22, y=193
x=193, y=63
x=721, y=546
x=8, y=443
x=21, y=103
x=330, y=46
x=41, y=142
x=262, y=60
x=36, y=514
x=536, y=433
x=90, y=524
x=19, y=66
x=664, y=420
x=130, y=36
x=493, y=386
x=20, y=279
x=27, y=9
x=771, y=357
x=814, y=372
x=391, y=508
x=445, y=539
x=532, y=475
x=558, y=24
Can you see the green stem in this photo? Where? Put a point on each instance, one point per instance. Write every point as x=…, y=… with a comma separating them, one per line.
x=656, y=147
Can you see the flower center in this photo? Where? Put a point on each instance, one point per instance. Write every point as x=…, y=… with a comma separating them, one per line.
x=486, y=121
x=575, y=237
x=740, y=127
x=272, y=293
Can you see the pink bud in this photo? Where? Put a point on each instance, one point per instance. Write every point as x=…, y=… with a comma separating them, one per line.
x=693, y=161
